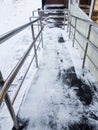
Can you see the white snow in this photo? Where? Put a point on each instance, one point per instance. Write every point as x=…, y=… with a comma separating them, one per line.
x=51, y=104
x=48, y=98
x=43, y=100
x=14, y=14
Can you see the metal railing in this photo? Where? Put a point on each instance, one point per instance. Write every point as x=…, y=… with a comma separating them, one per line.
x=48, y=14
x=48, y=11
x=11, y=77
x=6, y=84
x=86, y=38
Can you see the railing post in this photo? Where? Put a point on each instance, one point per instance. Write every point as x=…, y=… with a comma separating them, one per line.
x=1, y=78
x=74, y=31
x=38, y=22
x=33, y=13
x=70, y=18
x=38, y=25
x=86, y=48
x=68, y=21
x=35, y=51
x=64, y=18
x=9, y=105
x=41, y=33
x=12, y=112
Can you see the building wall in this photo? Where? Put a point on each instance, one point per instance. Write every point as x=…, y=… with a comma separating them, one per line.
x=96, y=5
x=80, y=43
x=54, y=1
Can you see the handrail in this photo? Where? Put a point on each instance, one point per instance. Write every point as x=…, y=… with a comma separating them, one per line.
x=48, y=11
x=86, y=38
x=15, y=71
x=6, y=84
x=87, y=21
x=19, y=64
x=91, y=44
x=10, y=34
x=91, y=23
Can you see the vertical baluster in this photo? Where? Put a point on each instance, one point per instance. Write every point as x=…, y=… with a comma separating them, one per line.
x=41, y=33
x=86, y=48
x=70, y=19
x=12, y=112
x=35, y=51
x=74, y=31
x=9, y=104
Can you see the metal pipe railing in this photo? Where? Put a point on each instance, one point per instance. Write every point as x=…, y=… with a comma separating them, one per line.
x=84, y=20
x=87, y=55
x=48, y=11
x=17, y=68
x=10, y=34
x=11, y=77
x=13, y=100
x=88, y=42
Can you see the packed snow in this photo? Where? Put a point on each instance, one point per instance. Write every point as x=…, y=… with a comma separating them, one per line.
x=51, y=103
x=47, y=100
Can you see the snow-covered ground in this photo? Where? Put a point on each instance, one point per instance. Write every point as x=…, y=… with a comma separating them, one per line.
x=14, y=13
x=51, y=101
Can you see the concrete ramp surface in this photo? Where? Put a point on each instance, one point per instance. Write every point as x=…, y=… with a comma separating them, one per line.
x=59, y=99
